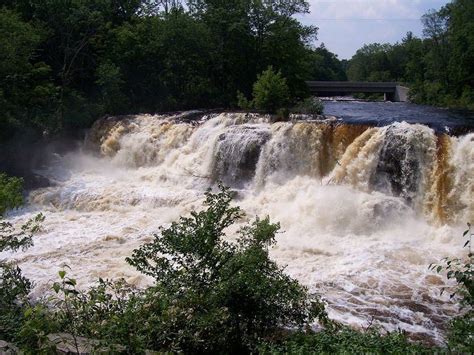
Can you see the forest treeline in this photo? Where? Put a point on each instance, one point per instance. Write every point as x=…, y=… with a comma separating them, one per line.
x=64, y=63
x=438, y=68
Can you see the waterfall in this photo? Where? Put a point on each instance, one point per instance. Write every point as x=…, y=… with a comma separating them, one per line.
x=428, y=171
x=363, y=209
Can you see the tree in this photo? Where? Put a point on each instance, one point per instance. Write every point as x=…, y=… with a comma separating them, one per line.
x=438, y=68
x=26, y=92
x=325, y=65
x=164, y=62
x=370, y=63
x=461, y=30
x=270, y=91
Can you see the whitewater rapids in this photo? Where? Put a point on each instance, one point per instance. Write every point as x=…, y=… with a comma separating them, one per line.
x=364, y=210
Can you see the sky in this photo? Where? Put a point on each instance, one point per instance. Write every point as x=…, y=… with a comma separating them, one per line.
x=346, y=25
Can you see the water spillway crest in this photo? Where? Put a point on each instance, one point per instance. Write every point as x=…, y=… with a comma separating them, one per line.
x=364, y=210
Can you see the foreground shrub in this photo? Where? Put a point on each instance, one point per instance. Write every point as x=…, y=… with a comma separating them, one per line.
x=343, y=341
x=10, y=192
x=14, y=287
x=210, y=294
x=14, y=290
x=224, y=295
x=461, y=330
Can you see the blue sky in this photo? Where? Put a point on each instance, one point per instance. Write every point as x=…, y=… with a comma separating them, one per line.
x=346, y=25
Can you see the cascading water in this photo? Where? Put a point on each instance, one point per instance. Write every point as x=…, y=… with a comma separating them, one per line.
x=364, y=210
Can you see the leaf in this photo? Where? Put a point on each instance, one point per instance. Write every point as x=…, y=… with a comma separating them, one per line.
x=439, y=268
x=70, y=282
x=62, y=273
x=56, y=287
x=465, y=244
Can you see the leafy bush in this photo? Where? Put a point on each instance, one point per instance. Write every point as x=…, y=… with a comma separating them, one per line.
x=14, y=290
x=14, y=287
x=309, y=106
x=343, y=341
x=243, y=102
x=270, y=91
x=461, y=330
x=12, y=238
x=225, y=296
x=462, y=271
x=210, y=294
x=10, y=192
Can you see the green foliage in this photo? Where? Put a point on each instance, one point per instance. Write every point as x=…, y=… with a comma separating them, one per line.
x=225, y=295
x=438, y=68
x=212, y=294
x=243, y=102
x=270, y=91
x=325, y=65
x=370, y=63
x=14, y=290
x=14, y=287
x=26, y=92
x=309, y=106
x=66, y=63
x=11, y=196
x=460, y=335
x=343, y=341
x=31, y=333
x=462, y=271
x=12, y=238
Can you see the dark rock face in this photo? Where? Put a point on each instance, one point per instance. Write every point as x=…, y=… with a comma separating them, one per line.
x=399, y=168
x=34, y=181
x=237, y=154
x=24, y=156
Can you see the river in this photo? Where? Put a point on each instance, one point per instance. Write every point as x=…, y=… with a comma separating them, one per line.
x=366, y=202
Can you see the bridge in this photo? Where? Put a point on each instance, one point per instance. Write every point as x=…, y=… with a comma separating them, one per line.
x=392, y=91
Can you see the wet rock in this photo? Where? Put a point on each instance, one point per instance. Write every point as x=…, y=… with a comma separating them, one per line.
x=8, y=348
x=237, y=154
x=398, y=170
x=406, y=152
x=68, y=344
x=35, y=181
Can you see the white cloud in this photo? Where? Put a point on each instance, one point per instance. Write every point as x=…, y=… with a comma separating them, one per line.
x=364, y=9
x=346, y=25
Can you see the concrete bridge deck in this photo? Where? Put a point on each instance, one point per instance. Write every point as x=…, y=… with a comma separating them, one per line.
x=392, y=91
